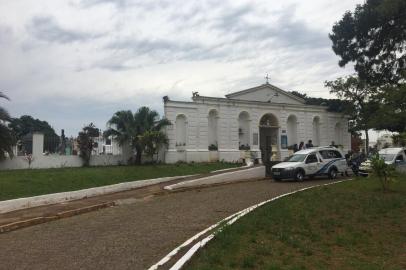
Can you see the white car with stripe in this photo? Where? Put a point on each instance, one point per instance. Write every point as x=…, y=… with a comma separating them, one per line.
x=311, y=162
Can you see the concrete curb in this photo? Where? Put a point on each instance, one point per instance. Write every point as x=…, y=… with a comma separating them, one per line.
x=38, y=220
x=235, y=168
x=254, y=173
x=224, y=222
x=47, y=199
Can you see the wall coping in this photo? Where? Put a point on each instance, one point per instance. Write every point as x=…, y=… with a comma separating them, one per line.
x=54, y=198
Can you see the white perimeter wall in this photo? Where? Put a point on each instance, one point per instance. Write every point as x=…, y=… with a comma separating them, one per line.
x=57, y=161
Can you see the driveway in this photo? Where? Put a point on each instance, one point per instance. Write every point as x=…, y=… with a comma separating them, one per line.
x=135, y=234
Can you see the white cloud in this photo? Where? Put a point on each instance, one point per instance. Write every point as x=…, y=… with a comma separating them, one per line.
x=82, y=59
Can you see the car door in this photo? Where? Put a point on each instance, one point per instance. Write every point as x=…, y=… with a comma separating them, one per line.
x=341, y=163
x=312, y=164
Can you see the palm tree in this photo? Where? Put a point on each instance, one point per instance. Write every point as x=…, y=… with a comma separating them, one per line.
x=153, y=141
x=86, y=142
x=127, y=127
x=6, y=135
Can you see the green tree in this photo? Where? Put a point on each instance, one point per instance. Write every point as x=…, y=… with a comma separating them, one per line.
x=152, y=142
x=127, y=127
x=392, y=110
x=359, y=94
x=7, y=139
x=373, y=38
x=27, y=124
x=86, y=142
x=399, y=139
x=333, y=105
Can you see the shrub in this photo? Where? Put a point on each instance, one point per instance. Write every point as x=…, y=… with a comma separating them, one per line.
x=213, y=147
x=384, y=172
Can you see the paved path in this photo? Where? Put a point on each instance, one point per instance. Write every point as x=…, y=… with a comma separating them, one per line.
x=53, y=211
x=135, y=234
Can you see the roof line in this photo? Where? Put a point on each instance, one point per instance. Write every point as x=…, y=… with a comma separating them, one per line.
x=262, y=86
x=255, y=102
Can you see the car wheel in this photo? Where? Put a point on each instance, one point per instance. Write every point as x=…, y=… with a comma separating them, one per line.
x=332, y=173
x=299, y=175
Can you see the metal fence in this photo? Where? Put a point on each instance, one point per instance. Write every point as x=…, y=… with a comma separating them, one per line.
x=24, y=146
x=52, y=144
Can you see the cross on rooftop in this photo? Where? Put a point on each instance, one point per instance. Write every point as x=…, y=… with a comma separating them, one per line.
x=267, y=78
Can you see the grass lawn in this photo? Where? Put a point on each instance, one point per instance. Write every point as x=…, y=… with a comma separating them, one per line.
x=25, y=183
x=351, y=225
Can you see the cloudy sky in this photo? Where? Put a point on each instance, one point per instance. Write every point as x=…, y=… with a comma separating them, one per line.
x=72, y=62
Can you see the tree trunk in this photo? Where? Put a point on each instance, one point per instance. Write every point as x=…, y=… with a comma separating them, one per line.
x=366, y=142
x=138, y=155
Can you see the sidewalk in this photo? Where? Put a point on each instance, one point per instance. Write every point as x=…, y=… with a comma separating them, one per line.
x=36, y=215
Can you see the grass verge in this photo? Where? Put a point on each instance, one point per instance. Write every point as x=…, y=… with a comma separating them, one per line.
x=25, y=183
x=350, y=225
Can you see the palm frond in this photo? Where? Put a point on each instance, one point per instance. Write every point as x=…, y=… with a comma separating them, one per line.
x=161, y=124
x=7, y=140
x=4, y=96
x=4, y=116
x=122, y=127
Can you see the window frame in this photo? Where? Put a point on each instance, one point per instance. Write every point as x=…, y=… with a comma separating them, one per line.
x=310, y=155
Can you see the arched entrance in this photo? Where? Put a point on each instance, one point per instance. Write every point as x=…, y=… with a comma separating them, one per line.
x=268, y=137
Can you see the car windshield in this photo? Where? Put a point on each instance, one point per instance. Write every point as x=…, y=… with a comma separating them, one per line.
x=387, y=157
x=296, y=158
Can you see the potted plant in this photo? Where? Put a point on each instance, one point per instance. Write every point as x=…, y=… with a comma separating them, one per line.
x=180, y=147
x=213, y=152
x=245, y=147
x=213, y=147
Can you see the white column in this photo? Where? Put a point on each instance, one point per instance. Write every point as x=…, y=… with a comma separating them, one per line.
x=37, y=144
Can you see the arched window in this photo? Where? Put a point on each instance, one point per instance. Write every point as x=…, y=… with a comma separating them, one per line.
x=316, y=131
x=181, y=130
x=338, y=134
x=292, y=130
x=244, y=129
x=213, y=127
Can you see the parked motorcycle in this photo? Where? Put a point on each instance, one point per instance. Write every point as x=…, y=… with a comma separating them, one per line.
x=354, y=162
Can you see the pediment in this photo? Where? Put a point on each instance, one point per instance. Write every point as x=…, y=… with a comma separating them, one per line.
x=266, y=93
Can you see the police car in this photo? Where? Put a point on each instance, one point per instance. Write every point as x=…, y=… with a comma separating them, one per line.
x=311, y=162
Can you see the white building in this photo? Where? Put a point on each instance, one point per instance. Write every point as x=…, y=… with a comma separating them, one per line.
x=384, y=141
x=255, y=118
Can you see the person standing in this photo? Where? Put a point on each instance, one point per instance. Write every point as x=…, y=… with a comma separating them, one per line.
x=302, y=146
x=309, y=144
